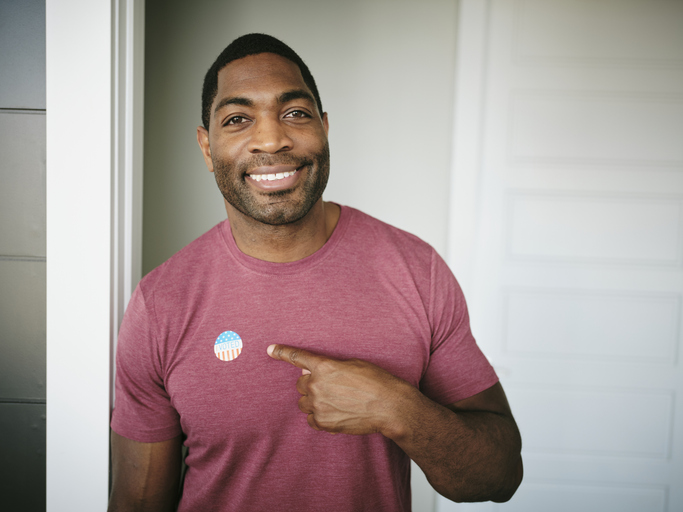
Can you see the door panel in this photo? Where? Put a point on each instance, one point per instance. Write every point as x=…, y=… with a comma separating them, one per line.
x=575, y=289
x=22, y=60
x=22, y=330
x=22, y=468
x=22, y=195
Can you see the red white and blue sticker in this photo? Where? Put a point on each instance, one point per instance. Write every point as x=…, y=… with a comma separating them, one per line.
x=228, y=346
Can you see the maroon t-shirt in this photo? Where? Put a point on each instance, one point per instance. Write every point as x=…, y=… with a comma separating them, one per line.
x=191, y=358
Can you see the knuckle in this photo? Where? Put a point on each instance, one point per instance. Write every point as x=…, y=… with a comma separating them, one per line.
x=313, y=388
x=311, y=422
x=294, y=355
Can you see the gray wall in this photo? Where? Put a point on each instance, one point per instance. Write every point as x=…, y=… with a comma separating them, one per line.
x=22, y=255
x=385, y=70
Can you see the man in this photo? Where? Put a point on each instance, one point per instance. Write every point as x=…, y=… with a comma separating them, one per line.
x=296, y=301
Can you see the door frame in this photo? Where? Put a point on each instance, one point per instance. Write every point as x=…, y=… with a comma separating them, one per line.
x=466, y=156
x=469, y=90
x=94, y=89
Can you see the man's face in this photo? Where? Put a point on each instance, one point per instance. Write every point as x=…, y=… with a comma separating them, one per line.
x=267, y=143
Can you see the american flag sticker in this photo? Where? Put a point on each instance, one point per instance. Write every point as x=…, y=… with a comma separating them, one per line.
x=228, y=346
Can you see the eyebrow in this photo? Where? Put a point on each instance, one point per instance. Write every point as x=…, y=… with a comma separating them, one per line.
x=296, y=94
x=235, y=100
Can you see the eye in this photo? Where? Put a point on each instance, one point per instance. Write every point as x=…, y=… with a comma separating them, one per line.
x=234, y=120
x=297, y=114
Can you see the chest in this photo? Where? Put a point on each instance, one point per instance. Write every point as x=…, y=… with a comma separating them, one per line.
x=227, y=387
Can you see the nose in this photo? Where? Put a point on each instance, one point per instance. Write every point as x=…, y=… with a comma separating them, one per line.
x=269, y=136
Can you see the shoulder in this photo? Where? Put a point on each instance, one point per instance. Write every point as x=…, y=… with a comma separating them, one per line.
x=381, y=237
x=385, y=250
x=397, y=248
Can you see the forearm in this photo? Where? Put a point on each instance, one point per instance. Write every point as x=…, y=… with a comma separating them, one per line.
x=466, y=455
x=145, y=476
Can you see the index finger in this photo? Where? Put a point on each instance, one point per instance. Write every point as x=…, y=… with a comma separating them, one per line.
x=297, y=356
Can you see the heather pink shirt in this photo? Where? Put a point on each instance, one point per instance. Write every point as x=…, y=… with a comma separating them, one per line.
x=372, y=291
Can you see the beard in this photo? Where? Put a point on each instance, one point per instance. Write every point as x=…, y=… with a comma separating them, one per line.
x=281, y=206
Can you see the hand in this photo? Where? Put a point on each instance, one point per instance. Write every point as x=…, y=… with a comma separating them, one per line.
x=351, y=397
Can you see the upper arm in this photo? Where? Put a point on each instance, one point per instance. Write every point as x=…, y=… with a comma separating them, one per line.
x=492, y=399
x=145, y=476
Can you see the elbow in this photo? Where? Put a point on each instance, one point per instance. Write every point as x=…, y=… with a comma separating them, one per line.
x=498, y=488
x=511, y=484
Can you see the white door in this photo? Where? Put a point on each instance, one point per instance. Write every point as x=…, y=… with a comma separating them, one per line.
x=568, y=235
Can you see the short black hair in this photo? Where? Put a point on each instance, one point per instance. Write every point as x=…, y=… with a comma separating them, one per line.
x=251, y=44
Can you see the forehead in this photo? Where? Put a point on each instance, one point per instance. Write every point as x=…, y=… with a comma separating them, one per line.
x=254, y=75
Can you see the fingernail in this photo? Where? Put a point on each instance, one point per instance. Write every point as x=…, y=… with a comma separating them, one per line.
x=270, y=350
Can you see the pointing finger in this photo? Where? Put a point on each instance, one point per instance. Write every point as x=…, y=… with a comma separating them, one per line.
x=299, y=357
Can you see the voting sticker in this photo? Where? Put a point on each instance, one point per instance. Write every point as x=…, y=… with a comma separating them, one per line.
x=228, y=346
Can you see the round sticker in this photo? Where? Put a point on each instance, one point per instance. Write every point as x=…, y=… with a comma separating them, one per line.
x=228, y=346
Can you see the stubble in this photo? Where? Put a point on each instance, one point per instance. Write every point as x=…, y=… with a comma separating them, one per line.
x=281, y=206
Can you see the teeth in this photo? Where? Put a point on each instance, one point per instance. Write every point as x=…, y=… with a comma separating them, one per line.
x=272, y=177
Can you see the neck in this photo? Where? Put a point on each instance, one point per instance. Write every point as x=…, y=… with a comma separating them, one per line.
x=288, y=242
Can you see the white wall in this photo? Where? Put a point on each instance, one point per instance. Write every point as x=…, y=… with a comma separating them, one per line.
x=385, y=71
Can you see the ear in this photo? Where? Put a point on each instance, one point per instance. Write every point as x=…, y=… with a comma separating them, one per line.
x=203, y=141
x=326, y=123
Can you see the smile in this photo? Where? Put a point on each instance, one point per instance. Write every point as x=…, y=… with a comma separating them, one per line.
x=272, y=177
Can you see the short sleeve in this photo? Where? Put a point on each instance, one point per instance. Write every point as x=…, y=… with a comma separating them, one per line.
x=457, y=368
x=142, y=408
